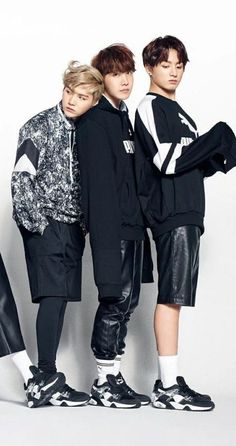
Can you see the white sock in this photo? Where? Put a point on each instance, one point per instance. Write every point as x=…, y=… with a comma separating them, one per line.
x=168, y=370
x=104, y=367
x=22, y=362
x=117, y=364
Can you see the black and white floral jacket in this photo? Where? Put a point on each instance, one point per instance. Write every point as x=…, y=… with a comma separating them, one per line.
x=46, y=176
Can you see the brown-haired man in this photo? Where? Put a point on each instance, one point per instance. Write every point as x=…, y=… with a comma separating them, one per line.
x=171, y=162
x=114, y=221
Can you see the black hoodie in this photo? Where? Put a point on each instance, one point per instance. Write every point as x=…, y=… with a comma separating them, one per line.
x=109, y=198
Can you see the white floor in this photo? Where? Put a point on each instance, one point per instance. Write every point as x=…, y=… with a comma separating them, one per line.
x=100, y=426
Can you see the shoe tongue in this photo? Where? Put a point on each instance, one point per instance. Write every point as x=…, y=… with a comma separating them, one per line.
x=34, y=370
x=111, y=379
x=180, y=380
x=119, y=379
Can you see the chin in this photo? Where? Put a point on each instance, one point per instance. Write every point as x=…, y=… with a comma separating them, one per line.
x=69, y=115
x=124, y=97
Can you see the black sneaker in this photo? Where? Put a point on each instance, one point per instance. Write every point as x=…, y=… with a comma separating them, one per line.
x=40, y=388
x=144, y=399
x=68, y=397
x=180, y=380
x=180, y=397
x=112, y=394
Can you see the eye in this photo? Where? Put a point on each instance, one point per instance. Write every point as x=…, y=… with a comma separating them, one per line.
x=165, y=65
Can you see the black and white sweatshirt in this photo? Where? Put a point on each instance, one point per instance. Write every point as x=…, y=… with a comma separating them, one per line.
x=172, y=160
x=46, y=176
x=109, y=197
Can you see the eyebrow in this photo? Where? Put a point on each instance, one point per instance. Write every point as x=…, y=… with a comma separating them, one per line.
x=83, y=95
x=80, y=94
x=169, y=61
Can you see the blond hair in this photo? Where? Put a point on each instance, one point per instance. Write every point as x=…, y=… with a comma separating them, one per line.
x=77, y=74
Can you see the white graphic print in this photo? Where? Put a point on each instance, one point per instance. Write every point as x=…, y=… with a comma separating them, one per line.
x=186, y=122
x=129, y=146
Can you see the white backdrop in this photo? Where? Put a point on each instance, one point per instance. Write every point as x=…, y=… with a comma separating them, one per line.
x=38, y=39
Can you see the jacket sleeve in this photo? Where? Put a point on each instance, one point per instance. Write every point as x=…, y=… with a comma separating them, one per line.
x=100, y=206
x=27, y=210
x=213, y=151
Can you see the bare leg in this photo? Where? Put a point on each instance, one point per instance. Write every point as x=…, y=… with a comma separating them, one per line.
x=166, y=327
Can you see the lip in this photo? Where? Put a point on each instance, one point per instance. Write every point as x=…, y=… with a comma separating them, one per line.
x=172, y=81
x=125, y=91
x=70, y=109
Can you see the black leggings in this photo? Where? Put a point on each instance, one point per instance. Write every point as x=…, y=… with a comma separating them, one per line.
x=113, y=314
x=49, y=325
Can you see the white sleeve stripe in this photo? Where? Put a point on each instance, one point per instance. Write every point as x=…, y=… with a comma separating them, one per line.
x=171, y=168
x=24, y=165
x=160, y=156
x=146, y=115
x=172, y=163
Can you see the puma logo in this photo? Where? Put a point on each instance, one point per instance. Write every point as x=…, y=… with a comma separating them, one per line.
x=186, y=122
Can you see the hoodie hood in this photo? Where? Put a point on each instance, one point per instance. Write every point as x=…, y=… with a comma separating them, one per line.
x=127, y=129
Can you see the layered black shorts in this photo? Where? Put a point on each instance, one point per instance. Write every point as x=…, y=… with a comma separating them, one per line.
x=54, y=260
x=177, y=265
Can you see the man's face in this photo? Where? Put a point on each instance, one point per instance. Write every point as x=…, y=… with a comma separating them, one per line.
x=77, y=101
x=166, y=75
x=118, y=86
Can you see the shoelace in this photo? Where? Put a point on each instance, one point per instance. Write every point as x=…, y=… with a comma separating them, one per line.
x=118, y=388
x=40, y=378
x=125, y=385
x=190, y=392
x=66, y=390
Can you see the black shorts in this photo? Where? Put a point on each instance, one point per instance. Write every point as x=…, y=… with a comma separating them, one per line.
x=54, y=260
x=177, y=265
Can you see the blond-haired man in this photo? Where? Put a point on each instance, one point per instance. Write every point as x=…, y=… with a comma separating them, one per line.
x=47, y=209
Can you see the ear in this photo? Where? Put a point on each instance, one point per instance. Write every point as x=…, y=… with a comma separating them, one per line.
x=149, y=70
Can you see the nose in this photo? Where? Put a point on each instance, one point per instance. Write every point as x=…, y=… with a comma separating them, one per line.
x=173, y=71
x=124, y=79
x=72, y=99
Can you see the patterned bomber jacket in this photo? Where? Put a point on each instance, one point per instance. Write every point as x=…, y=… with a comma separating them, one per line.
x=46, y=176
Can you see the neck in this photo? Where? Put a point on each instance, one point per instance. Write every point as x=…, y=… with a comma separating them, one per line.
x=167, y=94
x=114, y=102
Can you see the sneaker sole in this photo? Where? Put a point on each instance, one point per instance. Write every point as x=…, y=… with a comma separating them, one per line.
x=54, y=384
x=97, y=402
x=186, y=407
x=146, y=403
x=65, y=403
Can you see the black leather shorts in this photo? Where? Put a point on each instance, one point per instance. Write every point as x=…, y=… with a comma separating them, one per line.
x=177, y=265
x=11, y=340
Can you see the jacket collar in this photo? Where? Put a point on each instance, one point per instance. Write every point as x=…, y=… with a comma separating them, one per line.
x=69, y=123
